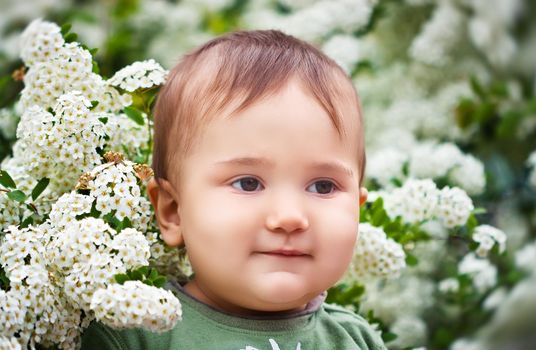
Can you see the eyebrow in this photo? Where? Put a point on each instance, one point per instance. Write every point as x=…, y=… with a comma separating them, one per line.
x=253, y=161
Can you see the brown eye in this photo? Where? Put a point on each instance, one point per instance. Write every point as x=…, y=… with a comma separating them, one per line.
x=248, y=184
x=323, y=187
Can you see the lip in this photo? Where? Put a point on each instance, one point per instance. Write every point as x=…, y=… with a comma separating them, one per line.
x=286, y=253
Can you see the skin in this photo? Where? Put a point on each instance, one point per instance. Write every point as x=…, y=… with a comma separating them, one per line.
x=230, y=214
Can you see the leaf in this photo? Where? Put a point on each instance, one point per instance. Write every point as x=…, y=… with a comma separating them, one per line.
x=71, y=37
x=17, y=195
x=95, y=69
x=40, y=187
x=65, y=28
x=477, y=88
x=135, y=115
x=94, y=104
x=126, y=223
x=153, y=274
x=121, y=278
x=136, y=275
x=159, y=281
x=411, y=260
x=27, y=222
x=144, y=270
x=479, y=210
x=388, y=336
x=6, y=180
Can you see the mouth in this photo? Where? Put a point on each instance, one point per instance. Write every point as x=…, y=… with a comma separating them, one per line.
x=286, y=253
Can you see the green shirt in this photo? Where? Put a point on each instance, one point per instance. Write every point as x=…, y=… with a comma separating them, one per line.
x=319, y=326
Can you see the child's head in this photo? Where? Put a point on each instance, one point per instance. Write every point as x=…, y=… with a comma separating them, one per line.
x=259, y=153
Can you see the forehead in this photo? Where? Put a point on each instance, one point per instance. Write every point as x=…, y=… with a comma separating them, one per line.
x=283, y=128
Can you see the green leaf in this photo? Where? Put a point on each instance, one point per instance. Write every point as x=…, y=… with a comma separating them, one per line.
x=71, y=37
x=4, y=281
x=411, y=260
x=159, y=281
x=95, y=68
x=40, y=187
x=94, y=104
x=17, y=195
x=121, y=278
x=135, y=115
x=479, y=210
x=126, y=223
x=477, y=88
x=27, y=222
x=6, y=180
x=388, y=336
x=144, y=270
x=153, y=274
x=93, y=51
x=136, y=275
x=65, y=28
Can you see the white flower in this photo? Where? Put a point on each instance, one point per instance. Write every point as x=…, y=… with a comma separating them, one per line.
x=469, y=175
x=376, y=255
x=495, y=299
x=40, y=41
x=454, y=207
x=430, y=160
x=525, y=258
x=415, y=201
x=439, y=35
x=487, y=236
x=386, y=165
x=449, y=285
x=481, y=271
x=344, y=49
x=138, y=75
x=135, y=304
x=410, y=331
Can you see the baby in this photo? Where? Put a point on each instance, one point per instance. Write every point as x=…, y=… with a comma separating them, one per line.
x=259, y=160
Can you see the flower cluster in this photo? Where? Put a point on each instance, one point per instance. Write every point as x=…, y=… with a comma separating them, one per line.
x=420, y=200
x=57, y=67
x=487, y=236
x=376, y=255
x=135, y=304
x=429, y=160
x=88, y=253
x=116, y=190
x=483, y=274
x=439, y=35
x=139, y=75
x=525, y=258
x=67, y=136
x=33, y=308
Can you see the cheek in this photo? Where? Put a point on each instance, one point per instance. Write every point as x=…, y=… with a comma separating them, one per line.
x=338, y=235
x=217, y=227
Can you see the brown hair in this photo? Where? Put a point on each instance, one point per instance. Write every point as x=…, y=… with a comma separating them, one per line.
x=243, y=66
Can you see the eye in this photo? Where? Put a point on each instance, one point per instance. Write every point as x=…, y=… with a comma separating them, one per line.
x=323, y=187
x=247, y=184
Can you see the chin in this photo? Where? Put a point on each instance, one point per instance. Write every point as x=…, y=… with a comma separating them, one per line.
x=283, y=289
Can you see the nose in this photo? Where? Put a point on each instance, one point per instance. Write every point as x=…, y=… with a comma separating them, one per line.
x=287, y=213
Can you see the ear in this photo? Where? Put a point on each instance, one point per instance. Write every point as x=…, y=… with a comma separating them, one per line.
x=166, y=209
x=363, y=195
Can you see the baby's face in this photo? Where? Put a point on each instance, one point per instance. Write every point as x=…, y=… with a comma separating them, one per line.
x=269, y=205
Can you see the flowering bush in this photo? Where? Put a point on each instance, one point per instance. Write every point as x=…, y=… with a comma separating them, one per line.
x=447, y=89
x=85, y=239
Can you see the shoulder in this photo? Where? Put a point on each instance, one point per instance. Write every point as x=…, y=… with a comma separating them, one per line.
x=101, y=337
x=356, y=326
